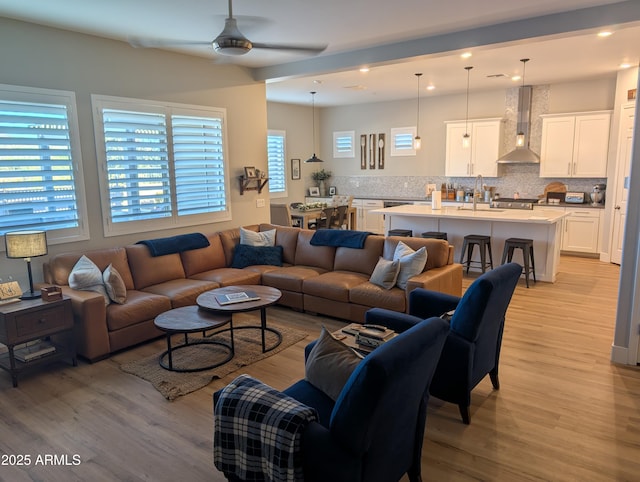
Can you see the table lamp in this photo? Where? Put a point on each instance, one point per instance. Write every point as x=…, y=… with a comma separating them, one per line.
x=26, y=245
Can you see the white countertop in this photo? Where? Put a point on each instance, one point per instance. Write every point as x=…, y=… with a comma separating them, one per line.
x=537, y=216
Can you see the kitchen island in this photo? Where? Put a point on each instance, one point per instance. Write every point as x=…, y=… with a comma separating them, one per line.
x=541, y=225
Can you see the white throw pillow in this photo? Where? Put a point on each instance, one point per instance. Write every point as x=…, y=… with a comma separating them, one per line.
x=411, y=263
x=86, y=276
x=265, y=238
x=385, y=273
x=114, y=284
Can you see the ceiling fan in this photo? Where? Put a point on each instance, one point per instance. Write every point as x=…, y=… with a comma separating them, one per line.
x=230, y=41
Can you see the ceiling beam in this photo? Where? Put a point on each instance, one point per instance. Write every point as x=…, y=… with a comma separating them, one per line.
x=609, y=15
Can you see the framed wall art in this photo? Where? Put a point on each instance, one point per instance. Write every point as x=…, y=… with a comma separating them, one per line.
x=295, y=169
x=314, y=191
x=250, y=172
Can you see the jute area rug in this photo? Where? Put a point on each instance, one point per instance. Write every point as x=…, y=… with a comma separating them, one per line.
x=248, y=350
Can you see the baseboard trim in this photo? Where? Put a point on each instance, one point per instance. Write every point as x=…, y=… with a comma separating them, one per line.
x=620, y=354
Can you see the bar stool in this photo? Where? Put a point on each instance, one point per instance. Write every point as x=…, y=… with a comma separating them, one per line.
x=526, y=245
x=407, y=233
x=434, y=235
x=484, y=244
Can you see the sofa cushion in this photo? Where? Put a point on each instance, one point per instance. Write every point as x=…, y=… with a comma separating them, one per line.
x=140, y=307
x=333, y=285
x=86, y=276
x=330, y=364
x=385, y=273
x=148, y=270
x=252, y=238
x=59, y=266
x=199, y=260
x=181, y=292
x=290, y=278
x=287, y=238
x=314, y=256
x=246, y=255
x=411, y=262
x=360, y=260
x=230, y=276
x=114, y=285
x=368, y=294
x=230, y=238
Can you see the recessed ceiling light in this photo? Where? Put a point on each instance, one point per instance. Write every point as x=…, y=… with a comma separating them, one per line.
x=466, y=55
x=605, y=33
x=364, y=70
x=625, y=65
x=516, y=78
x=317, y=81
x=431, y=87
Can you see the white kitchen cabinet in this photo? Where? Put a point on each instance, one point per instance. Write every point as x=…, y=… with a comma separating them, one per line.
x=581, y=231
x=575, y=145
x=481, y=156
x=366, y=220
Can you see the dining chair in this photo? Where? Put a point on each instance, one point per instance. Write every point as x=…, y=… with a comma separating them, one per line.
x=325, y=220
x=341, y=214
x=280, y=214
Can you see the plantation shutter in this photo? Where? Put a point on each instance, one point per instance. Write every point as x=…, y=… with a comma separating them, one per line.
x=137, y=165
x=276, y=162
x=199, y=164
x=37, y=185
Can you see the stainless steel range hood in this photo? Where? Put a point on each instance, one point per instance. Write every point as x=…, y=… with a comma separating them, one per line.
x=522, y=155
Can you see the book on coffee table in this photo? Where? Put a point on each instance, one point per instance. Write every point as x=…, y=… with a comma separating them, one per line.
x=240, y=297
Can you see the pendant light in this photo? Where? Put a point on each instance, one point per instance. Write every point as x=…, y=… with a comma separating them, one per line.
x=417, y=142
x=466, y=138
x=313, y=113
x=520, y=137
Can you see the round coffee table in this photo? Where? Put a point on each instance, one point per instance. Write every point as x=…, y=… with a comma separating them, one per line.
x=191, y=319
x=268, y=296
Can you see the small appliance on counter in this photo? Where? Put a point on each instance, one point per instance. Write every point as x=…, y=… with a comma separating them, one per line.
x=572, y=197
x=597, y=194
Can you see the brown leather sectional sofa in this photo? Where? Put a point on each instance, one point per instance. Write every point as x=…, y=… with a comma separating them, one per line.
x=319, y=279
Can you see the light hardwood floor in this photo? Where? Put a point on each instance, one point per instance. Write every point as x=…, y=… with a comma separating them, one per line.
x=564, y=411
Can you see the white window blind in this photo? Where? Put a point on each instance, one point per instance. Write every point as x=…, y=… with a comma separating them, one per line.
x=276, y=163
x=402, y=141
x=40, y=165
x=199, y=164
x=163, y=165
x=343, y=144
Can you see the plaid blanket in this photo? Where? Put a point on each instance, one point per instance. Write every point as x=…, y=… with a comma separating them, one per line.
x=258, y=432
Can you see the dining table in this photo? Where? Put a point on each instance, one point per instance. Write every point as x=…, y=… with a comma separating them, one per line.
x=302, y=217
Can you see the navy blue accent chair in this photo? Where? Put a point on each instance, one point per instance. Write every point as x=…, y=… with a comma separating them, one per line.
x=472, y=349
x=374, y=431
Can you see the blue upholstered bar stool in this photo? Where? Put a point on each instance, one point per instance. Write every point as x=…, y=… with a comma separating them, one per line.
x=434, y=235
x=526, y=245
x=484, y=244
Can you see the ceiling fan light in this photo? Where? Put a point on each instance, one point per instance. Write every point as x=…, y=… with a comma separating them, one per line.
x=231, y=46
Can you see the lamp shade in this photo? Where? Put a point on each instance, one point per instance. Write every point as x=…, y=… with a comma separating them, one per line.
x=25, y=244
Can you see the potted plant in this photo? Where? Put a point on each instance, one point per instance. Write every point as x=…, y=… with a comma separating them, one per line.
x=320, y=177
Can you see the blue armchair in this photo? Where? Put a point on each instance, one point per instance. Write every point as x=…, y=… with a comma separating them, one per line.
x=472, y=349
x=374, y=430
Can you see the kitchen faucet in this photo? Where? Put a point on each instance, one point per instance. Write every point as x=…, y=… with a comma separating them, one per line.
x=475, y=189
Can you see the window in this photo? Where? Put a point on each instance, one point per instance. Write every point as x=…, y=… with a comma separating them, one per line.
x=276, y=163
x=343, y=144
x=402, y=141
x=41, y=184
x=161, y=165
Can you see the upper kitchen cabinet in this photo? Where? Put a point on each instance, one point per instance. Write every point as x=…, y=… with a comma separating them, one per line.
x=575, y=145
x=481, y=156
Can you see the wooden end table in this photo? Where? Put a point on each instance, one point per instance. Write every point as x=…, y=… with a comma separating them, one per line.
x=268, y=296
x=191, y=319
x=29, y=320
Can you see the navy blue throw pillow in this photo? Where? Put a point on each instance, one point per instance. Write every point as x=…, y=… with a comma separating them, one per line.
x=245, y=255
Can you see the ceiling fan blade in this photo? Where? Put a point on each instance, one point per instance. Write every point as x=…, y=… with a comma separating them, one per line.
x=300, y=48
x=139, y=42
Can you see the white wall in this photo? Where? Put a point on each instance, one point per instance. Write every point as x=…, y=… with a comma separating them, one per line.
x=49, y=58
